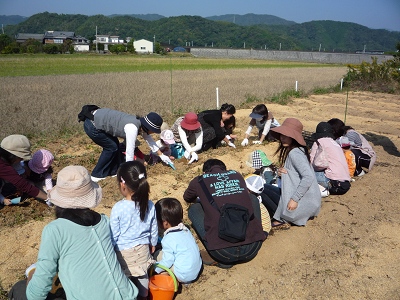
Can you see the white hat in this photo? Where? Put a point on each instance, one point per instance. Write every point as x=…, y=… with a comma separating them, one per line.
x=254, y=183
x=344, y=142
x=17, y=145
x=167, y=136
x=75, y=189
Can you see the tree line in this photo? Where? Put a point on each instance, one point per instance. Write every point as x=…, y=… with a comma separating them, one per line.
x=328, y=36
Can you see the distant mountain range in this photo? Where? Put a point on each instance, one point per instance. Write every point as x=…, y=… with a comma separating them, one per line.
x=11, y=20
x=226, y=31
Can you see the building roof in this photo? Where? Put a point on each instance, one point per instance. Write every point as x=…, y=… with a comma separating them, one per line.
x=27, y=36
x=59, y=35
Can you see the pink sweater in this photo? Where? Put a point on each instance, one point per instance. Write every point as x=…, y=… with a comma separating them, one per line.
x=338, y=169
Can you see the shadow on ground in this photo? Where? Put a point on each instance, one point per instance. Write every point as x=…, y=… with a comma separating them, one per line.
x=385, y=142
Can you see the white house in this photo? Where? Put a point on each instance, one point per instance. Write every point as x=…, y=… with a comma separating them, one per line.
x=107, y=40
x=143, y=46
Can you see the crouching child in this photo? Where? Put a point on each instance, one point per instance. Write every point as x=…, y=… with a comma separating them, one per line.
x=179, y=251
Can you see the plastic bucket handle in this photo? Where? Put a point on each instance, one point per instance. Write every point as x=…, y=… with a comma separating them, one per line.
x=156, y=265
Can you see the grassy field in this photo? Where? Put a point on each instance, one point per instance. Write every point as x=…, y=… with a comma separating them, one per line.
x=46, y=64
x=43, y=94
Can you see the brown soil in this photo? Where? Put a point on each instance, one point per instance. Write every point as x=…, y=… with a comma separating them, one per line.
x=349, y=251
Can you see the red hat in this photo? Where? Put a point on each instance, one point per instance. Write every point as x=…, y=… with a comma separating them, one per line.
x=190, y=121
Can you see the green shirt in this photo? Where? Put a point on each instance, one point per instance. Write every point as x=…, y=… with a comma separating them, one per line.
x=85, y=261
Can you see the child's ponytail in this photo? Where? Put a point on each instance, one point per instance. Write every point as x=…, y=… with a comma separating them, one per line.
x=133, y=174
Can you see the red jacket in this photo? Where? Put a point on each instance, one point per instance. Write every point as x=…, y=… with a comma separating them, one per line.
x=8, y=174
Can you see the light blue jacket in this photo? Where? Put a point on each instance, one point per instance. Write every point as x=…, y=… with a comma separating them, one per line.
x=179, y=249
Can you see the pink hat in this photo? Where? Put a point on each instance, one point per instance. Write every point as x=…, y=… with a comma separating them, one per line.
x=167, y=136
x=41, y=161
x=190, y=121
x=291, y=127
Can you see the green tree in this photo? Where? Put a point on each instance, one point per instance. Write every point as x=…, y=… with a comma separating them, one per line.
x=159, y=49
x=31, y=46
x=129, y=46
x=117, y=48
x=5, y=40
x=12, y=48
x=51, y=49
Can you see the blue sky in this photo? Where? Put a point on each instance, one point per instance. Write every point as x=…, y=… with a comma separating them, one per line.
x=376, y=14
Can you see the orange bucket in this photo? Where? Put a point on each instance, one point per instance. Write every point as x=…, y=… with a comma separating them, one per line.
x=163, y=286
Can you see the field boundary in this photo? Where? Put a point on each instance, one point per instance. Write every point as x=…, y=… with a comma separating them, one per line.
x=299, y=56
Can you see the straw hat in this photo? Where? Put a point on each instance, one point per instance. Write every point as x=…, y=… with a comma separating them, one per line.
x=41, y=161
x=75, y=189
x=18, y=145
x=291, y=127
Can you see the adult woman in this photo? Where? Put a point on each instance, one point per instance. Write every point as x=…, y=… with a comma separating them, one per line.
x=78, y=245
x=212, y=123
x=14, y=149
x=264, y=121
x=335, y=177
x=189, y=135
x=365, y=155
x=300, y=197
x=104, y=126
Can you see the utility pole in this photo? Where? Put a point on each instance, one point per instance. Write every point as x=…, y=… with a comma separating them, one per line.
x=154, y=45
x=97, y=51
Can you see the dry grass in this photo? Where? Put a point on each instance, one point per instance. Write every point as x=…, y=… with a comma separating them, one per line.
x=50, y=104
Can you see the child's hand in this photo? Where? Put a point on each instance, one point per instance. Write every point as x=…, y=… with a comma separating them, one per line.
x=152, y=249
x=171, y=157
x=7, y=201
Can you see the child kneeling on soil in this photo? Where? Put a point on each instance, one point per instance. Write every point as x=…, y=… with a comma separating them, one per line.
x=164, y=145
x=40, y=171
x=179, y=251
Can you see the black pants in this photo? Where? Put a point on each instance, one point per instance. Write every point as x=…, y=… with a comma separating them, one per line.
x=18, y=292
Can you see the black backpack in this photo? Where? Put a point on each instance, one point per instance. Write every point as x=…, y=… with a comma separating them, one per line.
x=233, y=220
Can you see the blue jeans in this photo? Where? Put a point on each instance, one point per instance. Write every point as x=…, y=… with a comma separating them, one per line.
x=230, y=255
x=110, y=157
x=322, y=179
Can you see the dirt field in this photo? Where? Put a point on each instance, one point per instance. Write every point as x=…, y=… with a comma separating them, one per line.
x=350, y=251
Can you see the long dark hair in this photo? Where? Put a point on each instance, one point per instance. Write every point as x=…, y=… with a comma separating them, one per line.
x=133, y=174
x=283, y=152
x=229, y=108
